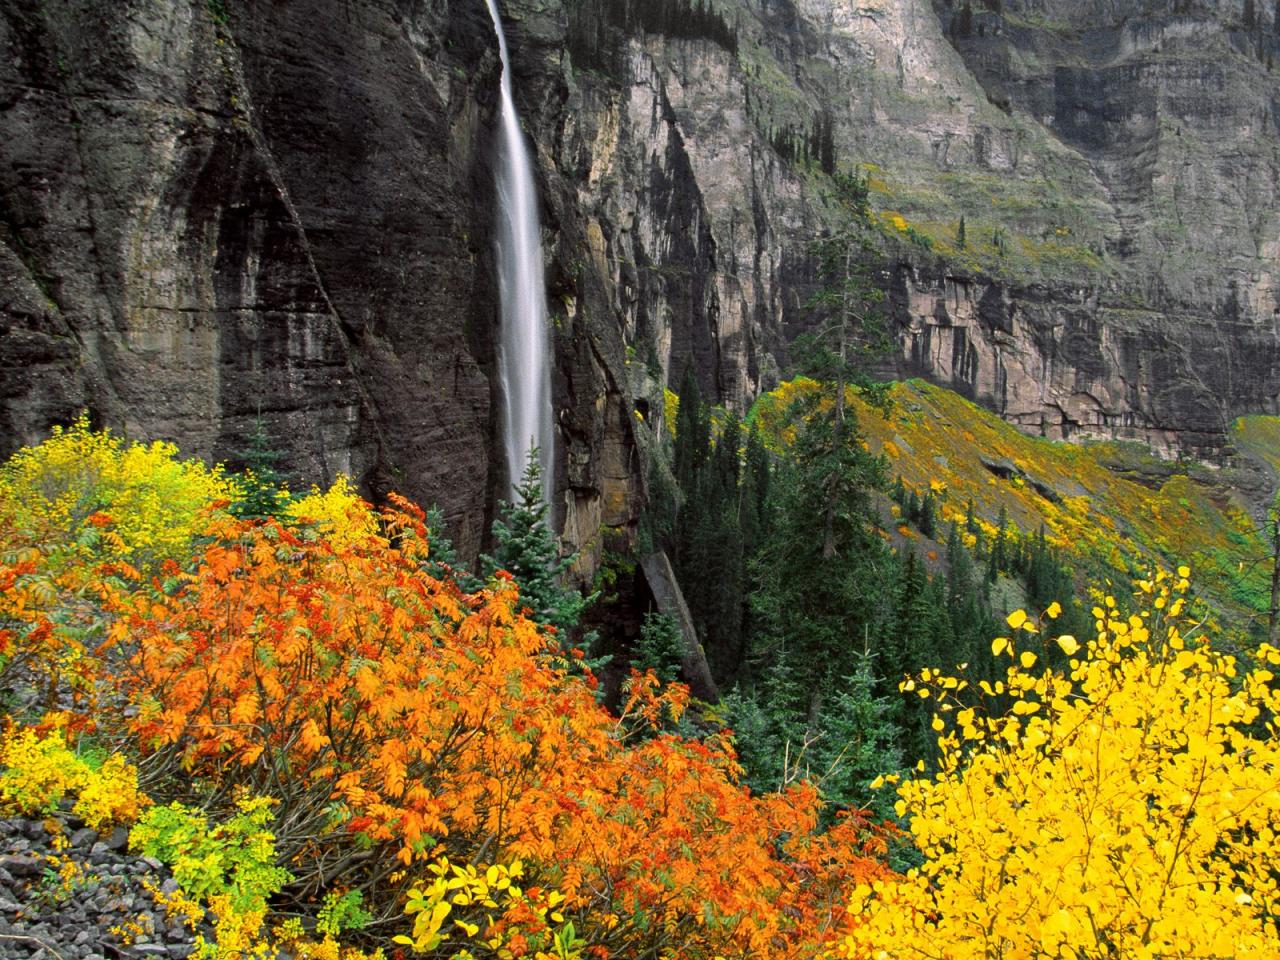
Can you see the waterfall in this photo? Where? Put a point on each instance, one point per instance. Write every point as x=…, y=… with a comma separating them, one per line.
x=524, y=349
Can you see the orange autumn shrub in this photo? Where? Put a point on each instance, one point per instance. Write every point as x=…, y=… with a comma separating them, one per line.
x=399, y=721
x=81, y=499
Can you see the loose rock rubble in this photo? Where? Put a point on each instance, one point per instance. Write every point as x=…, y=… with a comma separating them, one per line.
x=69, y=893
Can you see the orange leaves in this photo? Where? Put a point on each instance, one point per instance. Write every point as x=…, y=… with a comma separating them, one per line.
x=373, y=699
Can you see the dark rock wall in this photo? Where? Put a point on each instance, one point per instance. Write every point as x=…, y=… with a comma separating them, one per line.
x=214, y=209
x=282, y=211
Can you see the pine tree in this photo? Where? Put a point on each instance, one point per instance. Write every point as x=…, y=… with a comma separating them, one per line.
x=822, y=571
x=859, y=743
x=264, y=493
x=911, y=512
x=960, y=234
x=693, y=433
x=928, y=515
x=753, y=513
x=899, y=494
x=661, y=648
x=528, y=549
x=444, y=562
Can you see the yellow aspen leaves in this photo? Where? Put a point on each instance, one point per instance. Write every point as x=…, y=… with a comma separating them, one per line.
x=1069, y=644
x=999, y=645
x=1017, y=619
x=1127, y=807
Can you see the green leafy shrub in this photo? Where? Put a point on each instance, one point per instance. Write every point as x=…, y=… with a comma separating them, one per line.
x=235, y=859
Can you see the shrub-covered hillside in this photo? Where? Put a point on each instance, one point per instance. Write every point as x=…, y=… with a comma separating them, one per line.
x=1111, y=506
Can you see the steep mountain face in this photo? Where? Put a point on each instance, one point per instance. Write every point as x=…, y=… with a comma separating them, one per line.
x=215, y=210
x=205, y=222
x=1076, y=201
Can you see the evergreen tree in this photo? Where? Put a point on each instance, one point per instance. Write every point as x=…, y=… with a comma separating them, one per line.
x=823, y=568
x=911, y=511
x=928, y=516
x=841, y=749
x=693, y=434
x=528, y=549
x=264, y=493
x=753, y=512
x=443, y=561
x=899, y=495
x=661, y=648
x=961, y=241
x=999, y=559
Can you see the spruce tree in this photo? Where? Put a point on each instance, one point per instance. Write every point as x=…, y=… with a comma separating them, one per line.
x=822, y=571
x=526, y=547
x=661, y=648
x=443, y=561
x=928, y=515
x=264, y=493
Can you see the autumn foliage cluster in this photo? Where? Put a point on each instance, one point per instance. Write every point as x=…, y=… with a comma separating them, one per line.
x=301, y=719
x=400, y=726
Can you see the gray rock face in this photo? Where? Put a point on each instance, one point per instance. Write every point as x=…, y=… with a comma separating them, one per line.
x=1116, y=170
x=205, y=220
x=211, y=210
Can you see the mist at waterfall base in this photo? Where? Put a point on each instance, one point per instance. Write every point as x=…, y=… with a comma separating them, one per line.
x=524, y=349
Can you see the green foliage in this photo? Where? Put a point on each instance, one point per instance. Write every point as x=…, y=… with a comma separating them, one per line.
x=444, y=562
x=234, y=859
x=217, y=10
x=264, y=494
x=841, y=746
x=661, y=648
x=711, y=520
x=821, y=571
x=342, y=912
x=526, y=547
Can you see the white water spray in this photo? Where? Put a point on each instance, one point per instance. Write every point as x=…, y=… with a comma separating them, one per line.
x=524, y=350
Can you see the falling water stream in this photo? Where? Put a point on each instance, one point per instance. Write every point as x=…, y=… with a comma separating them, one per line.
x=524, y=351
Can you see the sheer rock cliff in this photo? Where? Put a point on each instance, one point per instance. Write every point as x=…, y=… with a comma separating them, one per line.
x=214, y=211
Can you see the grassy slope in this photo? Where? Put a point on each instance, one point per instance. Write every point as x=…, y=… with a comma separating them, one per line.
x=1116, y=509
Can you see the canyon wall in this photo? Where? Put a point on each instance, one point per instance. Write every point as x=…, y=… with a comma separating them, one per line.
x=213, y=211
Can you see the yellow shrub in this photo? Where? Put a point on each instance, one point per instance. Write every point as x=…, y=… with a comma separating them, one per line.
x=339, y=513
x=123, y=499
x=42, y=770
x=1126, y=805
x=111, y=795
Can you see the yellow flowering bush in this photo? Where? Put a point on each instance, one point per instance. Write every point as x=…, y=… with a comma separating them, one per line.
x=130, y=500
x=40, y=771
x=1126, y=805
x=339, y=513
